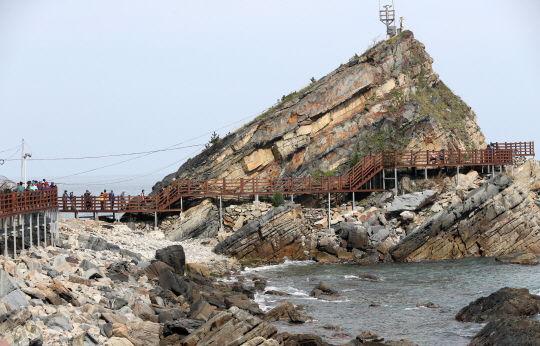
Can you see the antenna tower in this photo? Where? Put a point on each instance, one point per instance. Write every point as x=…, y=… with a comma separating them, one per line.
x=388, y=16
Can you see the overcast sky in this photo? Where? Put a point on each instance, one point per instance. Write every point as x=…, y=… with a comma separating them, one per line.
x=92, y=78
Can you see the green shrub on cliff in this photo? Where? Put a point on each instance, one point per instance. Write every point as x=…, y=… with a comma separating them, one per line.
x=358, y=155
x=277, y=199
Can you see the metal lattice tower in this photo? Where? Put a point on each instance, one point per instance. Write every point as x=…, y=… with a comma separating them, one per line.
x=388, y=16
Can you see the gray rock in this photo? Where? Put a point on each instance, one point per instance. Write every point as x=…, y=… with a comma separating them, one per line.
x=58, y=260
x=106, y=329
x=58, y=322
x=174, y=256
x=411, y=202
x=93, y=243
x=380, y=235
x=86, y=264
x=10, y=292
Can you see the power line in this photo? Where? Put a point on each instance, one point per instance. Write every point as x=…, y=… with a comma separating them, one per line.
x=112, y=155
x=18, y=146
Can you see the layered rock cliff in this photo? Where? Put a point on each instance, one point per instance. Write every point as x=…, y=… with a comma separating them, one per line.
x=389, y=98
x=500, y=217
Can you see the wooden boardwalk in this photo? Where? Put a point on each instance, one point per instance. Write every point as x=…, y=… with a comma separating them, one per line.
x=360, y=178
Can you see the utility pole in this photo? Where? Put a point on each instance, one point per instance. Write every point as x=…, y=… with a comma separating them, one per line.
x=22, y=165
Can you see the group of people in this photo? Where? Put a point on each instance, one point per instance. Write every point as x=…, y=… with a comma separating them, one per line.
x=31, y=185
x=106, y=200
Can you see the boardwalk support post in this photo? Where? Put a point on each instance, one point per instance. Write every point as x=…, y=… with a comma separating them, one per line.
x=383, y=180
x=14, y=240
x=395, y=180
x=31, y=229
x=5, y=239
x=292, y=197
x=22, y=232
x=155, y=221
x=329, y=217
x=457, y=177
x=425, y=173
x=37, y=230
x=181, y=204
x=220, y=216
x=353, y=201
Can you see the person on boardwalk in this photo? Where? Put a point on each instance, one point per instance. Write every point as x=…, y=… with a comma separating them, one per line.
x=143, y=198
x=64, y=199
x=7, y=189
x=105, y=196
x=111, y=199
x=123, y=200
x=88, y=199
x=101, y=200
x=72, y=200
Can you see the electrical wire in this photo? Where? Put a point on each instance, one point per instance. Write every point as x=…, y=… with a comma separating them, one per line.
x=104, y=156
x=8, y=159
x=18, y=146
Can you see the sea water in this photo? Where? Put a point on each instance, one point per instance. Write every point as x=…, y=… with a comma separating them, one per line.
x=451, y=284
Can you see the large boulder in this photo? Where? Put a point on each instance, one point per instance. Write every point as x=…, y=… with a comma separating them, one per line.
x=92, y=243
x=503, y=303
x=497, y=218
x=411, y=201
x=201, y=221
x=10, y=293
x=508, y=331
x=174, y=256
x=357, y=236
x=281, y=232
x=518, y=258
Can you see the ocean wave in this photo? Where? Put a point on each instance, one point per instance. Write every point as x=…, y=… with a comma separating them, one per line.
x=287, y=289
x=287, y=263
x=537, y=291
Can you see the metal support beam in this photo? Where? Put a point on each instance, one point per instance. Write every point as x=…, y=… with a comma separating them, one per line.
x=457, y=177
x=31, y=229
x=292, y=200
x=329, y=217
x=383, y=180
x=181, y=204
x=22, y=232
x=5, y=238
x=220, y=215
x=425, y=173
x=395, y=178
x=155, y=221
x=14, y=240
x=37, y=214
x=353, y=201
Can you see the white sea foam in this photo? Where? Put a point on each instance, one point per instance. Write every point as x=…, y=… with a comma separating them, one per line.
x=285, y=264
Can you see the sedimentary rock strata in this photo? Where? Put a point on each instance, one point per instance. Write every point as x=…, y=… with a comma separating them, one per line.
x=281, y=232
x=384, y=99
x=497, y=218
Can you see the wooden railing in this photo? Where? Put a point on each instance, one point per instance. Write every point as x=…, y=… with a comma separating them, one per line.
x=118, y=204
x=447, y=158
x=518, y=149
x=17, y=203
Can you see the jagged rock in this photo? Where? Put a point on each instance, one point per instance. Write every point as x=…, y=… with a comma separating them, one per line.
x=279, y=312
x=411, y=202
x=144, y=312
x=182, y=326
x=200, y=310
x=508, y=331
x=19, y=329
x=58, y=322
x=153, y=269
x=366, y=337
x=497, y=218
x=297, y=317
x=93, y=243
x=324, y=288
x=379, y=235
x=300, y=340
x=201, y=221
x=357, y=235
x=503, y=303
x=518, y=258
x=93, y=273
x=280, y=232
x=234, y=321
x=10, y=293
x=198, y=268
x=174, y=256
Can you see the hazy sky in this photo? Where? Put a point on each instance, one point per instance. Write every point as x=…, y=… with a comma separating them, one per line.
x=91, y=78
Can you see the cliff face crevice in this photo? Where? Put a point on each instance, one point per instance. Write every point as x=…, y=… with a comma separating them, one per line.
x=388, y=99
